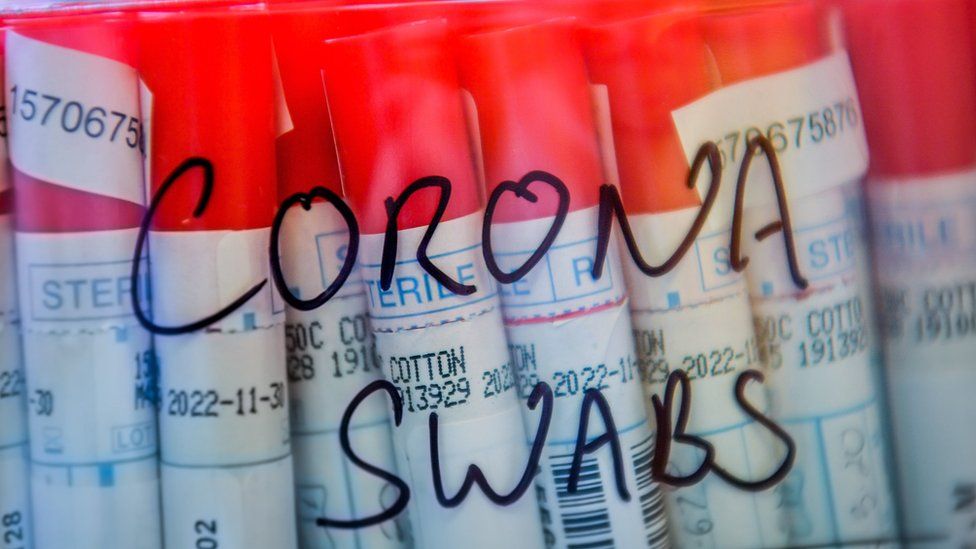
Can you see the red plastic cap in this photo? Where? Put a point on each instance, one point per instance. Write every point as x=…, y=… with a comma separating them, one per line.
x=397, y=116
x=763, y=40
x=651, y=66
x=597, y=11
x=913, y=63
x=46, y=207
x=534, y=113
x=306, y=155
x=211, y=79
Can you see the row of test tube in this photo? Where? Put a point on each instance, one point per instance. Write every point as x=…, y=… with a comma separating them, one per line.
x=227, y=435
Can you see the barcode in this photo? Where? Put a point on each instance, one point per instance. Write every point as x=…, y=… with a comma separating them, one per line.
x=649, y=494
x=584, y=513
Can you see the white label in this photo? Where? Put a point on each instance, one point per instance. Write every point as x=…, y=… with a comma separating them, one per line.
x=74, y=119
x=415, y=299
x=924, y=225
x=331, y=356
x=827, y=240
x=13, y=388
x=223, y=398
x=561, y=283
x=450, y=369
x=713, y=344
x=97, y=506
x=197, y=273
x=314, y=244
x=924, y=243
x=90, y=396
x=810, y=115
x=327, y=484
x=72, y=282
x=590, y=352
x=825, y=393
x=15, y=513
x=251, y=506
x=704, y=273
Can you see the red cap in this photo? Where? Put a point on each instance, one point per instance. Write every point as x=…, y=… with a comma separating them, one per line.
x=306, y=154
x=597, y=11
x=211, y=79
x=913, y=63
x=396, y=112
x=763, y=40
x=651, y=66
x=534, y=113
x=43, y=206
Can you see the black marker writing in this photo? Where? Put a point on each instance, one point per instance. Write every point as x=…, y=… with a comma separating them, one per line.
x=609, y=437
x=541, y=391
x=208, y=183
x=738, y=262
x=404, y=491
x=521, y=190
x=612, y=205
x=305, y=199
x=393, y=208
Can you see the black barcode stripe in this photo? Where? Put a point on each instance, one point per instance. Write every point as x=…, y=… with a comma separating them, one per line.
x=650, y=496
x=584, y=513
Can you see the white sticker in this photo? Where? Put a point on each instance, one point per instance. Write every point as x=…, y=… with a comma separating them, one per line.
x=327, y=484
x=15, y=513
x=703, y=274
x=810, y=115
x=249, y=506
x=415, y=298
x=924, y=225
x=825, y=391
x=13, y=388
x=923, y=243
x=713, y=344
x=78, y=282
x=74, y=119
x=331, y=357
x=314, y=245
x=90, y=396
x=97, y=506
x=197, y=273
x=826, y=238
x=223, y=398
x=593, y=351
x=561, y=283
x=451, y=369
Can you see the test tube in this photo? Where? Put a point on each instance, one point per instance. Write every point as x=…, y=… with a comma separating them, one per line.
x=913, y=63
x=812, y=305
x=331, y=351
x=208, y=101
x=15, y=523
x=694, y=318
x=565, y=328
x=75, y=141
x=396, y=110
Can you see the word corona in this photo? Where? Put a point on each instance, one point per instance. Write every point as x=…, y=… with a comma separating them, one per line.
x=677, y=392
